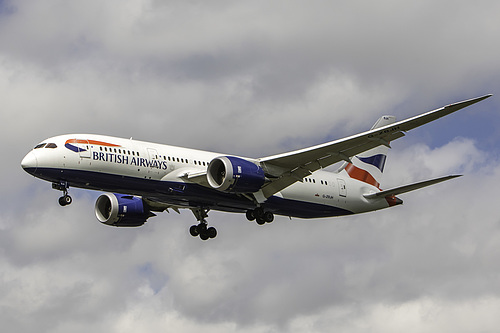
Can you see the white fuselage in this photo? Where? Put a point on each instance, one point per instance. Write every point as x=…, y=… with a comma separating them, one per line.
x=160, y=171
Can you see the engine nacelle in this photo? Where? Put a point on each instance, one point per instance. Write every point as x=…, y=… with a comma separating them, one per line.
x=121, y=210
x=234, y=174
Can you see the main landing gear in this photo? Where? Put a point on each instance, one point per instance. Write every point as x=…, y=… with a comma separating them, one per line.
x=63, y=186
x=260, y=216
x=202, y=228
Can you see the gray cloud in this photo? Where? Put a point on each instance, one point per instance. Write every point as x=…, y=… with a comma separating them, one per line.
x=252, y=79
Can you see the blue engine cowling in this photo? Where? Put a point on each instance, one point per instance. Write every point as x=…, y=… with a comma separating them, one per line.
x=121, y=210
x=234, y=174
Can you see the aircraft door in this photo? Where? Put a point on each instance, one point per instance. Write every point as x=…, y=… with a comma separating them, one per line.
x=153, y=154
x=154, y=163
x=342, y=188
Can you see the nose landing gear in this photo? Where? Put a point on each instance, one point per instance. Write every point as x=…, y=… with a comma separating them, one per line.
x=63, y=186
x=65, y=200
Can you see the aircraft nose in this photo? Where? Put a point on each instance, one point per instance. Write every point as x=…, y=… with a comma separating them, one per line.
x=29, y=162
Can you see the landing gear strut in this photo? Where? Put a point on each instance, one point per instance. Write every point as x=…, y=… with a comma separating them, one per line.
x=202, y=228
x=260, y=216
x=63, y=186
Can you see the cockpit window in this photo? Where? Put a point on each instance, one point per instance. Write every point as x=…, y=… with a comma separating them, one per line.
x=51, y=145
x=41, y=145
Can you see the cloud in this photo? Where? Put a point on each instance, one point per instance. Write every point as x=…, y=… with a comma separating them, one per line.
x=460, y=156
x=348, y=272
x=252, y=79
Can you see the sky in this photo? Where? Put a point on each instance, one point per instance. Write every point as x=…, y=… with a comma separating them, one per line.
x=253, y=79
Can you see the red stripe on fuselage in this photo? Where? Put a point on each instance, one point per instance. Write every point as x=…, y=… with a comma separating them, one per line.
x=92, y=142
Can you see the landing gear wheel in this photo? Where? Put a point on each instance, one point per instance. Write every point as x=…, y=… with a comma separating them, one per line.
x=204, y=235
x=250, y=215
x=65, y=200
x=63, y=186
x=268, y=217
x=212, y=232
x=260, y=216
x=202, y=231
x=202, y=228
x=194, y=231
x=260, y=220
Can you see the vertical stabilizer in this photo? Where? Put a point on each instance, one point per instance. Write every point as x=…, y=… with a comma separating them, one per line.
x=369, y=166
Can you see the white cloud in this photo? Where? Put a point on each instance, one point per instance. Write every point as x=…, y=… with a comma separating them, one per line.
x=419, y=161
x=422, y=315
x=252, y=79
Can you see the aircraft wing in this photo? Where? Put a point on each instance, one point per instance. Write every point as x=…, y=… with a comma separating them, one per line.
x=288, y=168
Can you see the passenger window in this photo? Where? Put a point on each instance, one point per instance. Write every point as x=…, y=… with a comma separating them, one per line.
x=41, y=145
x=51, y=145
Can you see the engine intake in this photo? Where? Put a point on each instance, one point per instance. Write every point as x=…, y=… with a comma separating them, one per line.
x=121, y=210
x=234, y=174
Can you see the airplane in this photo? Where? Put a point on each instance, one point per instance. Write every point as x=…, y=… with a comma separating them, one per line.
x=141, y=178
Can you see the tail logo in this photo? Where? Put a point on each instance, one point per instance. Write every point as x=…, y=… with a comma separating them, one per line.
x=376, y=160
x=359, y=173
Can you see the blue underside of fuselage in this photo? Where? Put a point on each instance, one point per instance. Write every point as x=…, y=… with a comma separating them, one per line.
x=183, y=194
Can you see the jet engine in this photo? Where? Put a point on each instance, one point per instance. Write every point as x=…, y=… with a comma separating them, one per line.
x=121, y=210
x=234, y=174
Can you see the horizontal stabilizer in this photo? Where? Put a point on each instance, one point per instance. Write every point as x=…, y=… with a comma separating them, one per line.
x=408, y=188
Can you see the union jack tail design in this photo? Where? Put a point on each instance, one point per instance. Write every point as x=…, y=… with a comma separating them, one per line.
x=369, y=166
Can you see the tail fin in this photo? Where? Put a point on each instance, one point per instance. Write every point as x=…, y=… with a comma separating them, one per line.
x=368, y=166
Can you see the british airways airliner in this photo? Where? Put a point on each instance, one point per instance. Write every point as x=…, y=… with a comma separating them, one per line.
x=141, y=178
